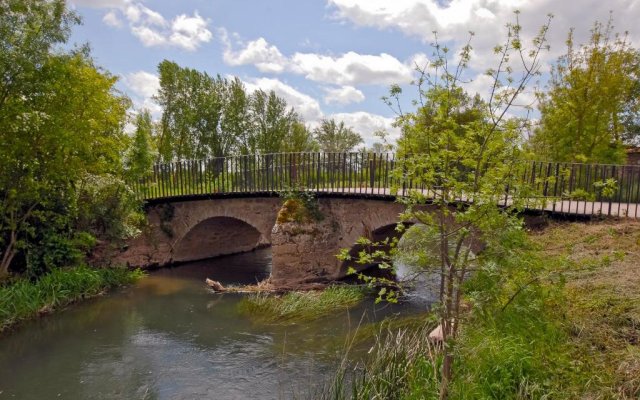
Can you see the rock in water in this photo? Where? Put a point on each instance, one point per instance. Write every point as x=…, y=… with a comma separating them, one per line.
x=215, y=285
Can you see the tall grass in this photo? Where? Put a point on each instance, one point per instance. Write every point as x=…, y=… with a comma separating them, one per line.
x=402, y=364
x=24, y=299
x=300, y=305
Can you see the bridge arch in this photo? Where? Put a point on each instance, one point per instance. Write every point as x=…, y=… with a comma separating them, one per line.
x=217, y=236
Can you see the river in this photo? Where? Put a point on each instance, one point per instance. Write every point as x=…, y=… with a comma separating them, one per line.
x=169, y=337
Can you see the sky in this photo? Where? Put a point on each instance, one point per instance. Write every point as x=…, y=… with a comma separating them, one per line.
x=326, y=58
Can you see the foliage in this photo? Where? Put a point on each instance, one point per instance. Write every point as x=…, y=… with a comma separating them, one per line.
x=466, y=149
x=107, y=208
x=300, y=205
x=141, y=153
x=301, y=306
x=205, y=116
x=24, y=299
x=299, y=139
x=335, y=137
x=514, y=341
x=591, y=108
x=403, y=364
x=60, y=119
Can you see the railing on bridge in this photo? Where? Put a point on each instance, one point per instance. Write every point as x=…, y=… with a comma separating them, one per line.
x=584, y=189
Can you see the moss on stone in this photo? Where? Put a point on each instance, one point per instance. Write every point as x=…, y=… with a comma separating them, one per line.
x=294, y=210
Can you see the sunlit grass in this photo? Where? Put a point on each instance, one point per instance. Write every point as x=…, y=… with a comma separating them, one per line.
x=301, y=305
x=24, y=299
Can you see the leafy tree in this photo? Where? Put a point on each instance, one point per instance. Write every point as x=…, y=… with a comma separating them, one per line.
x=592, y=105
x=465, y=153
x=235, y=118
x=465, y=110
x=299, y=139
x=193, y=106
x=140, y=157
x=207, y=117
x=335, y=137
x=271, y=121
x=60, y=118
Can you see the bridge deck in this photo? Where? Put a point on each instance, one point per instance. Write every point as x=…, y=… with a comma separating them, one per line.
x=558, y=187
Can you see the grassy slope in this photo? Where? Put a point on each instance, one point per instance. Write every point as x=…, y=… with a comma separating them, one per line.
x=575, y=341
x=602, y=308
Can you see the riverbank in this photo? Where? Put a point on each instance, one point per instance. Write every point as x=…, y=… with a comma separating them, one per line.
x=571, y=330
x=23, y=299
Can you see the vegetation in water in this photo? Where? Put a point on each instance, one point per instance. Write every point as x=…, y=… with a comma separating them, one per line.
x=23, y=299
x=301, y=306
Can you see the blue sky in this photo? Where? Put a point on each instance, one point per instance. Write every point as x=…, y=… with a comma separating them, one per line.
x=327, y=58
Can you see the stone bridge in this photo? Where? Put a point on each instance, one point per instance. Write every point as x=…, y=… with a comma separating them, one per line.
x=199, y=209
x=180, y=231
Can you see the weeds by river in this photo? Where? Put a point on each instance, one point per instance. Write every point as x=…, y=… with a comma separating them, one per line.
x=24, y=299
x=301, y=306
x=572, y=335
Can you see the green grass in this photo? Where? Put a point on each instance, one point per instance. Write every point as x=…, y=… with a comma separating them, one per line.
x=300, y=306
x=574, y=335
x=23, y=299
x=402, y=364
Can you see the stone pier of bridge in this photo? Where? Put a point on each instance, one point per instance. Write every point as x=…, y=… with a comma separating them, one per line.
x=183, y=231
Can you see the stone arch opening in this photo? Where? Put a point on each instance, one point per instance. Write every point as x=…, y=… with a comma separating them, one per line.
x=377, y=235
x=217, y=236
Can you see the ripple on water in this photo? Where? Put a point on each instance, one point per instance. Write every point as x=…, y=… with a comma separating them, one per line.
x=170, y=338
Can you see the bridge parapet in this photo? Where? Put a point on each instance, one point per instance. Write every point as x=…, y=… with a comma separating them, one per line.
x=565, y=188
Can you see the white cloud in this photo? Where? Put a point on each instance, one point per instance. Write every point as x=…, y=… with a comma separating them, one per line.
x=350, y=68
x=487, y=19
x=343, y=95
x=266, y=57
x=366, y=124
x=99, y=3
x=148, y=36
x=112, y=19
x=189, y=32
x=142, y=87
x=151, y=27
x=142, y=83
x=305, y=105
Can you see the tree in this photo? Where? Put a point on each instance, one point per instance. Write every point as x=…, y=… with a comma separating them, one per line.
x=193, y=106
x=468, y=155
x=299, y=139
x=141, y=153
x=60, y=119
x=336, y=138
x=271, y=121
x=235, y=118
x=591, y=108
x=205, y=117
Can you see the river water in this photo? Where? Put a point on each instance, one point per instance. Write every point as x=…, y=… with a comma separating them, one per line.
x=169, y=337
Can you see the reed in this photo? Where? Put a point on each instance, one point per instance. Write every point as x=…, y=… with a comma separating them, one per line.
x=24, y=299
x=307, y=305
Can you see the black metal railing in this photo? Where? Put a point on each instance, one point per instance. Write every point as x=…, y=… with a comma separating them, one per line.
x=585, y=189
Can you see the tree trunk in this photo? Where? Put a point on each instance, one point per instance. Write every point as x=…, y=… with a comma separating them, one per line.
x=7, y=256
x=447, y=370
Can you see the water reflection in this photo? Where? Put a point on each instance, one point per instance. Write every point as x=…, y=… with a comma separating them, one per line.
x=169, y=337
